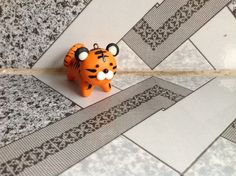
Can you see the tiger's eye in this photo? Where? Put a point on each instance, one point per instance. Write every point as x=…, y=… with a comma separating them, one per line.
x=111, y=64
x=97, y=66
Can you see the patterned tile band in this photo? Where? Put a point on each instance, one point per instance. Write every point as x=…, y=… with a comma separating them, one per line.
x=154, y=38
x=58, y=143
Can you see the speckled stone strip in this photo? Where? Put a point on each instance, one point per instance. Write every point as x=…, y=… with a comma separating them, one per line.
x=60, y=145
x=165, y=27
x=29, y=28
x=230, y=133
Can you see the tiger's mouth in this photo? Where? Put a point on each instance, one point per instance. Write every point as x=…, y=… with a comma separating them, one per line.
x=101, y=75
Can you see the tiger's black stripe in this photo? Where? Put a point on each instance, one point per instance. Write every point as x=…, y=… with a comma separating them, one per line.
x=99, y=52
x=92, y=76
x=89, y=86
x=92, y=70
x=102, y=56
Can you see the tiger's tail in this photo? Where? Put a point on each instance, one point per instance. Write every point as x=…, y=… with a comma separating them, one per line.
x=70, y=56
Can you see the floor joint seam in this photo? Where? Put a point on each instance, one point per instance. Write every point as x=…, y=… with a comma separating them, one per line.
x=195, y=46
x=62, y=33
x=166, y=164
x=138, y=21
x=137, y=54
x=57, y=91
x=205, y=150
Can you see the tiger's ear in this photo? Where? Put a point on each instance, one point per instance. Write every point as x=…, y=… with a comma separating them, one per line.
x=81, y=53
x=113, y=49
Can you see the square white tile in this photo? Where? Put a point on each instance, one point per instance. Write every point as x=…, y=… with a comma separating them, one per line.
x=71, y=90
x=179, y=135
x=217, y=40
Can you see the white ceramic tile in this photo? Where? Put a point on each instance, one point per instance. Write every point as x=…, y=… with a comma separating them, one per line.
x=186, y=57
x=179, y=134
x=217, y=40
x=111, y=22
x=71, y=90
x=120, y=158
x=219, y=160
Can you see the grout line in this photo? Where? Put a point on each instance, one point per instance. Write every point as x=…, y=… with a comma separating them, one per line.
x=202, y=54
x=228, y=140
x=231, y=11
x=88, y=155
x=192, y=92
x=56, y=91
x=116, y=87
x=204, y=151
x=174, y=84
x=140, y=19
x=61, y=34
x=151, y=154
x=191, y=35
x=137, y=55
x=72, y=114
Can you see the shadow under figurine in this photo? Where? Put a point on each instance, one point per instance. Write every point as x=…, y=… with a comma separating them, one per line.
x=91, y=68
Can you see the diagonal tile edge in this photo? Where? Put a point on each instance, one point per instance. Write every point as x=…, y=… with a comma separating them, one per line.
x=230, y=132
x=170, y=43
x=66, y=135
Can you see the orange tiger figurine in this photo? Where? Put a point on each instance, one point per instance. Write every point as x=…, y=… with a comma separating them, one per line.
x=91, y=68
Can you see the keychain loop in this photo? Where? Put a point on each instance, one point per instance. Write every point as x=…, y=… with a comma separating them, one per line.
x=95, y=46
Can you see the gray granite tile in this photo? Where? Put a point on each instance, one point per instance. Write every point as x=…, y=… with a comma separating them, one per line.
x=120, y=158
x=230, y=132
x=232, y=6
x=28, y=28
x=186, y=57
x=125, y=81
x=27, y=105
x=219, y=160
x=128, y=60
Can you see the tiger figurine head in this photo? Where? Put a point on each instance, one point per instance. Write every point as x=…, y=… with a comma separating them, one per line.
x=95, y=67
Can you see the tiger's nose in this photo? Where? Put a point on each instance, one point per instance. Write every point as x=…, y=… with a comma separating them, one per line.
x=105, y=70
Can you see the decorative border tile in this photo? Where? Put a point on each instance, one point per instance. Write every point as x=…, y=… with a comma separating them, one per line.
x=161, y=31
x=154, y=38
x=158, y=91
x=230, y=133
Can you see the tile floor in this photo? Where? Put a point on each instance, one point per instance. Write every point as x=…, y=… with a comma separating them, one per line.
x=146, y=126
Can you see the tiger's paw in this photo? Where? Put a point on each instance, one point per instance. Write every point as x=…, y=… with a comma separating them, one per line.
x=86, y=90
x=106, y=87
